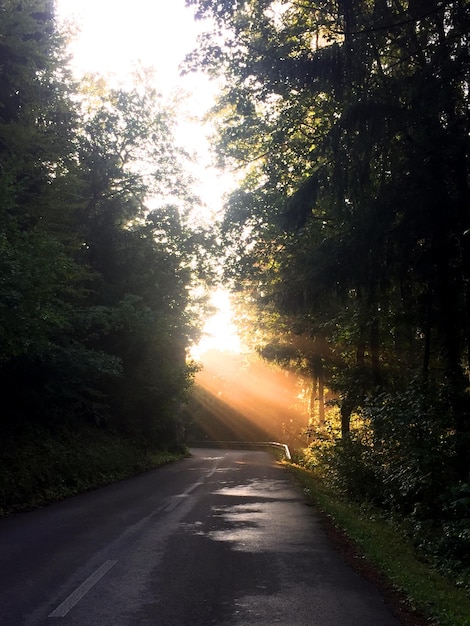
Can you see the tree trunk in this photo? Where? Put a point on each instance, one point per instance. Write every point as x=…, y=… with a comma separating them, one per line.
x=375, y=351
x=313, y=396
x=321, y=397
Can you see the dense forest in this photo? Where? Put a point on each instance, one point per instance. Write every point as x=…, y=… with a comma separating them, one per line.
x=97, y=259
x=348, y=240
x=347, y=243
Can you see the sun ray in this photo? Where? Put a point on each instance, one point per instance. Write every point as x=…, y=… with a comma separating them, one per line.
x=245, y=399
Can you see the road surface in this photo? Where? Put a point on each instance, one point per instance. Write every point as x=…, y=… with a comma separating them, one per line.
x=222, y=538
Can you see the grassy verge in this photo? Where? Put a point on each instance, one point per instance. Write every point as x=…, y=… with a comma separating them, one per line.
x=433, y=596
x=38, y=466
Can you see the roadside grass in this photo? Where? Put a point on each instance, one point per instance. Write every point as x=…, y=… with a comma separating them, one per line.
x=39, y=465
x=439, y=600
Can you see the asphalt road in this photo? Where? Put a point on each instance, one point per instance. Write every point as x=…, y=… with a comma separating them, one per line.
x=222, y=538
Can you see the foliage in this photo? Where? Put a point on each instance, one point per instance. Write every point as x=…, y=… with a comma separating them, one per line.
x=441, y=597
x=350, y=231
x=97, y=251
x=44, y=465
x=401, y=465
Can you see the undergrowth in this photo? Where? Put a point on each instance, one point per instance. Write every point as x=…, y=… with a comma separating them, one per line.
x=440, y=599
x=39, y=465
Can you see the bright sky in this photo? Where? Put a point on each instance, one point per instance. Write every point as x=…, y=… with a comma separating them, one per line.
x=115, y=35
x=219, y=332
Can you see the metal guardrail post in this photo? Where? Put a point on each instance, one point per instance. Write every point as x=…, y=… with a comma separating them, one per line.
x=282, y=445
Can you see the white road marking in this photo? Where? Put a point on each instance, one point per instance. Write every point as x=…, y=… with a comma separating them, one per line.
x=80, y=591
x=192, y=487
x=175, y=500
x=212, y=472
x=174, y=503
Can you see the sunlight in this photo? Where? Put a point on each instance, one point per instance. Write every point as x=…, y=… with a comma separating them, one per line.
x=236, y=398
x=219, y=331
x=113, y=38
x=237, y=395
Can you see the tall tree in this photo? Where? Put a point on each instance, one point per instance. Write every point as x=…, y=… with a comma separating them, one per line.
x=350, y=120
x=41, y=282
x=138, y=242
x=96, y=253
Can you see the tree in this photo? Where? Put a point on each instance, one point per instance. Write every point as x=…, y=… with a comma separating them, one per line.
x=350, y=120
x=96, y=253
x=41, y=282
x=137, y=241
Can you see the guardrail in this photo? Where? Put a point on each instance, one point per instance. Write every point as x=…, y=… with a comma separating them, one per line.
x=284, y=446
x=238, y=444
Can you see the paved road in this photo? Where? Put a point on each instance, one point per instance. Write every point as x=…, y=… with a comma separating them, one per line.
x=222, y=538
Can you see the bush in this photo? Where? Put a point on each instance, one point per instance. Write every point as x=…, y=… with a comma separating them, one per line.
x=40, y=465
x=399, y=456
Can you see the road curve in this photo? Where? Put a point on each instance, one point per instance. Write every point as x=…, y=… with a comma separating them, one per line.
x=222, y=538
